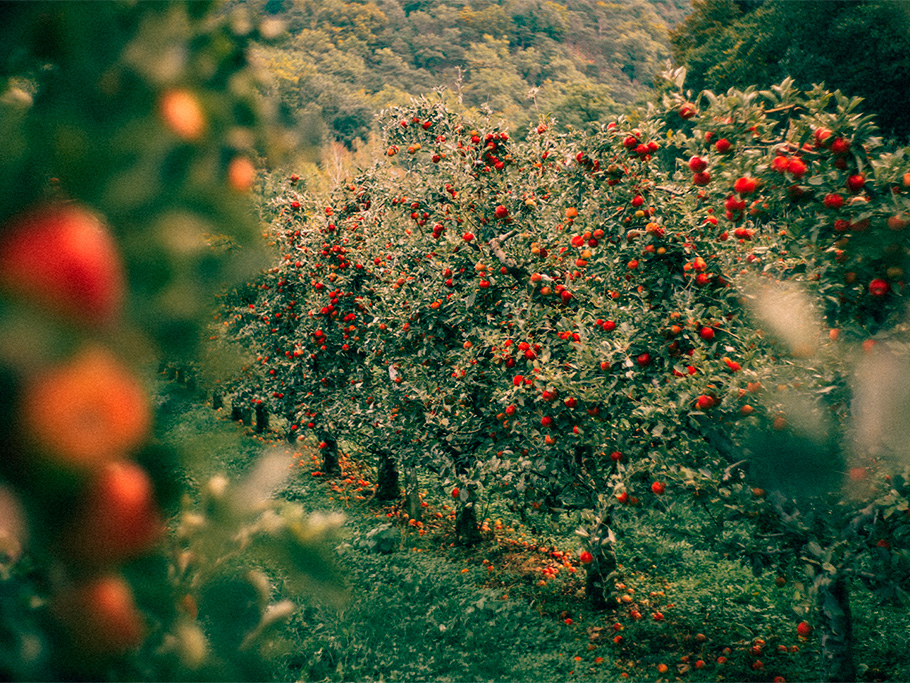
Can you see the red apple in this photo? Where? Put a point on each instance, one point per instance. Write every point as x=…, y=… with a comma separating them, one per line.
x=697, y=164
x=687, y=111
x=117, y=519
x=61, y=257
x=856, y=182
x=100, y=616
x=586, y=557
x=704, y=402
x=804, y=629
x=745, y=185
x=840, y=146
x=723, y=146
x=658, y=488
x=796, y=167
x=501, y=211
x=879, y=287
x=833, y=201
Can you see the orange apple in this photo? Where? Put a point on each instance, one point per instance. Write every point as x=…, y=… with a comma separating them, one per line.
x=84, y=413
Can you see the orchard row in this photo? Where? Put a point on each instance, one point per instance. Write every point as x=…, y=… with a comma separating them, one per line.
x=675, y=311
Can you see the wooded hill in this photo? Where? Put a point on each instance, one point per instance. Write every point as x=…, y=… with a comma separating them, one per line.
x=582, y=61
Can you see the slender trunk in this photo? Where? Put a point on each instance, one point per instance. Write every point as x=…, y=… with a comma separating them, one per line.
x=466, y=532
x=600, y=574
x=217, y=400
x=236, y=412
x=292, y=434
x=836, y=625
x=412, y=494
x=597, y=579
x=262, y=418
x=330, y=455
x=387, y=477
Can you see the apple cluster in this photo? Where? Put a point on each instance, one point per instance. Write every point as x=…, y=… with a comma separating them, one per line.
x=80, y=416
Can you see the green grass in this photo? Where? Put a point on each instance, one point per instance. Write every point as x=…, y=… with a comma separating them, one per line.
x=419, y=608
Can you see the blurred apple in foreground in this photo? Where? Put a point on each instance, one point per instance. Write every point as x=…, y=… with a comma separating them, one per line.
x=86, y=412
x=117, y=520
x=60, y=257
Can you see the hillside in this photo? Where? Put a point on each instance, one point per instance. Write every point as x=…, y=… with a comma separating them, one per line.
x=581, y=62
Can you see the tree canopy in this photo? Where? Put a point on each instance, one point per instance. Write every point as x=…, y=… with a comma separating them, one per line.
x=861, y=47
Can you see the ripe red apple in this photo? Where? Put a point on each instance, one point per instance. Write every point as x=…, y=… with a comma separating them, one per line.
x=833, y=201
x=616, y=456
x=61, y=257
x=701, y=179
x=456, y=493
x=723, y=146
x=501, y=212
x=697, y=164
x=704, y=402
x=840, y=146
x=879, y=287
x=586, y=557
x=658, y=488
x=643, y=360
x=796, y=167
x=706, y=333
x=687, y=111
x=117, y=519
x=745, y=185
x=856, y=182
x=804, y=629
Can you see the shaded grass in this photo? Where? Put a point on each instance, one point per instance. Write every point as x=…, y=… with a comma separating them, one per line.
x=419, y=608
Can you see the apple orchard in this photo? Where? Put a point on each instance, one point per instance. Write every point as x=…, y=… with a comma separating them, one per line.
x=701, y=308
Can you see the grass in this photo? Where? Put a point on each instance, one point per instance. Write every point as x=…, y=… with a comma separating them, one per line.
x=420, y=608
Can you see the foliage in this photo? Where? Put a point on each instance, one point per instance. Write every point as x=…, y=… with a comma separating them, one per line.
x=636, y=318
x=344, y=61
x=130, y=133
x=858, y=47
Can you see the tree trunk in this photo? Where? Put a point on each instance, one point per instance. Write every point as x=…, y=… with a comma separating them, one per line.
x=412, y=494
x=387, y=477
x=262, y=418
x=836, y=625
x=292, y=434
x=236, y=412
x=217, y=400
x=466, y=532
x=330, y=456
x=597, y=579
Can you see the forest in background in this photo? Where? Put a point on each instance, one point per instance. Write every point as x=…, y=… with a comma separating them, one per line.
x=582, y=62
